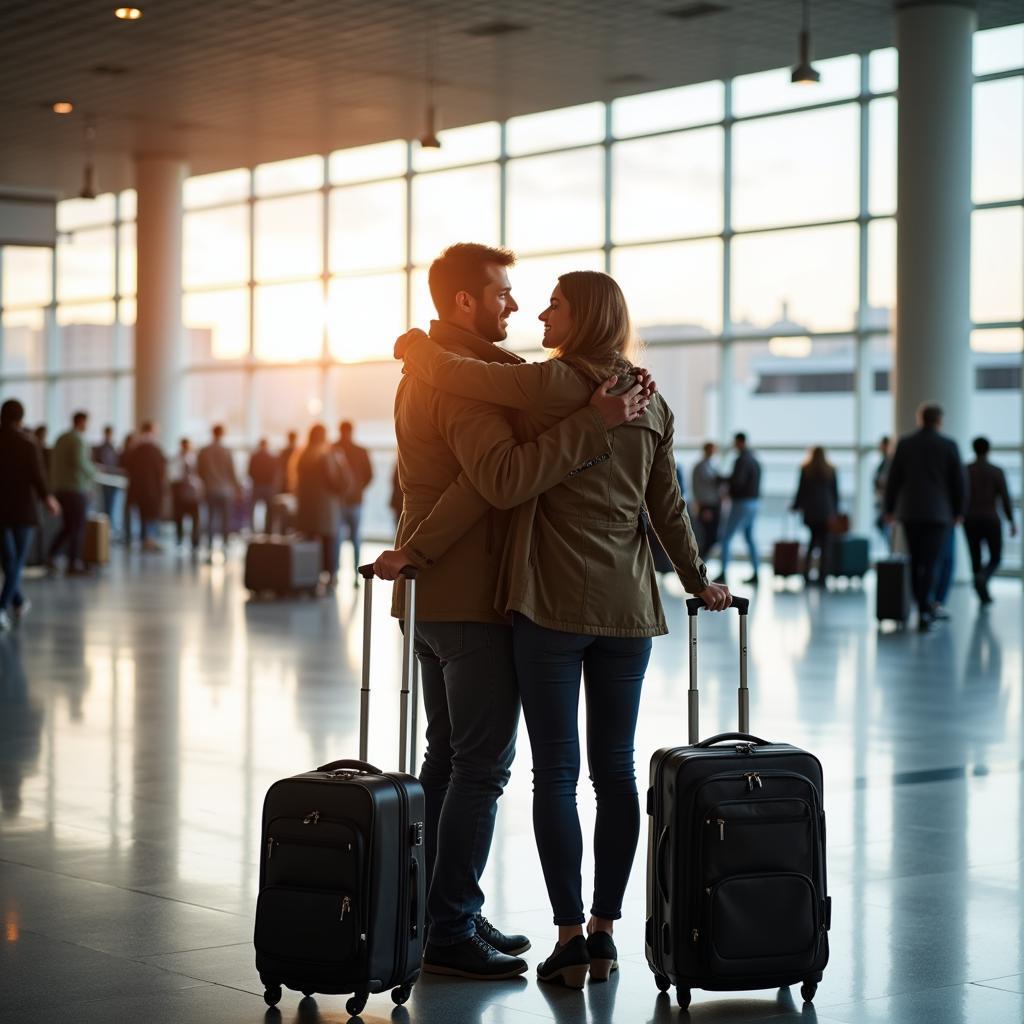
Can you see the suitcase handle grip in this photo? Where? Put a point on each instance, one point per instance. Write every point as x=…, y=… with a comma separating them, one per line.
x=360, y=766
x=746, y=737
x=695, y=604
x=659, y=864
x=408, y=571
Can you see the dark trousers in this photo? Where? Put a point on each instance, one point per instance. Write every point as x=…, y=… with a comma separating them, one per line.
x=218, y=512
x=472, y=710
x=817, y=543
x=329, y=547
x=549, y=664
x=185, y=506
x=262, y=494
x=14, y=544
x=709, y=517
x=925, y=541
x=351, y=517
x=73, y=506
x=987, y=532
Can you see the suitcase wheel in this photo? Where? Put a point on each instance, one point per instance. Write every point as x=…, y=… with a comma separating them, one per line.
x=272, y=995
x=807, y=990
x=662, y=982
x=401, y=994
x=683, y=997
x=355, y=1005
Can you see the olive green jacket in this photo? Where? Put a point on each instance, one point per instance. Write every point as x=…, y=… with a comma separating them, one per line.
x=577, y=557
x=440, y=436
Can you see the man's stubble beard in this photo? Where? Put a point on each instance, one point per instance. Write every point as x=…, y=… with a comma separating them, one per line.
x=488, y=327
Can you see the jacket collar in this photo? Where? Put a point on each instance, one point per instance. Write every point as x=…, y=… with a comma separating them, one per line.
x=455, y=339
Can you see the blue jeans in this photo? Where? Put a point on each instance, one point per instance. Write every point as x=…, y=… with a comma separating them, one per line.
x=741, y=520
x=14, y=544
x=549, y=663
x=351, y=517
x=472, y=706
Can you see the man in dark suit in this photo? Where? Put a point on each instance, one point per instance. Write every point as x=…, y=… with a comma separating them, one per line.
x=925, y=492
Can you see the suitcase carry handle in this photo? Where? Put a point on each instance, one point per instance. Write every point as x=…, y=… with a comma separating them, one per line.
x=693, y=606
x=359, y=766
x=659, y=864
x=746, y=737
x=410, y=674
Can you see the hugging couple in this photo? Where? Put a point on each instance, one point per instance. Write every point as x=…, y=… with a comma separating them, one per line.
x=527, y=490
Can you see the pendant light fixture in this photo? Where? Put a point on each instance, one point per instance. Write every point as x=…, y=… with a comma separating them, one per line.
x=429, y=139
x=89, y=171
x=804, y=72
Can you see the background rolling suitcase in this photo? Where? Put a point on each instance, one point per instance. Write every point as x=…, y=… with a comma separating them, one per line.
x=736, y=882
x=283, y=565
x=892, y=592
x=96, y=541
x=786, y=559
x=342, y=891
x=846, y=555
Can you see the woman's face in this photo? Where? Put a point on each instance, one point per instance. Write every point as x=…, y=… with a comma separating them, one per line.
x=557, y=319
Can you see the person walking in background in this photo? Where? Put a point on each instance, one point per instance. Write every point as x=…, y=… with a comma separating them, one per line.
x=128, y=514
x=925, y=492
x=186, y=492
x=264, y=475
x=147, y=470
x=361, y=469
x=72, y=475
x=108, y=462
x=24, y=486
x=216, y=469
x=817, y=498
x=707, y=495
x=880, y=478
x=284, y=461
x=744, y=486
x=987, y=493
x=320, y=480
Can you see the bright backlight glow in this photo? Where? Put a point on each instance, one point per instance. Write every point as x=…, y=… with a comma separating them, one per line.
x=128, y=13
x=790, y=348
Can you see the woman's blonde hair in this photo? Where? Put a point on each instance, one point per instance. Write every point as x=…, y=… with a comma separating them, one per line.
x=601, y=341
x=316, y=444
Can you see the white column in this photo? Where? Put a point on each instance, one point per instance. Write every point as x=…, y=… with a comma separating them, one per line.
x=158, y=327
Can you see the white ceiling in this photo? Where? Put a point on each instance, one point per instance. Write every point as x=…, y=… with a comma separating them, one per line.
x=237, y=82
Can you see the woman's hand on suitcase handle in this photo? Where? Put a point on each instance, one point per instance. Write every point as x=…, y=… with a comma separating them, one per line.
x=716, y=597
x=390, y=564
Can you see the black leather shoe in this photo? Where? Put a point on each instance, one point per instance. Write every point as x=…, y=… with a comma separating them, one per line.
x=510, y=945
x=568, y=965
x=473, y=958
x=751, y=581
x=720, y=578
x=604, y=957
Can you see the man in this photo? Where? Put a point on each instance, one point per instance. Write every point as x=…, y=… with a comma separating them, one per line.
x=744, y=485
x=284, y=458
x=147, y=470
x=880, y=478
x=925, y=492
x=108, y=462
x=216, y=469
x=72, y=475
x=987, y=490
x=361, y=469
x=263, y=474
x=21, y=469
x=464, y=646
x=186, y=492
x=707, y=493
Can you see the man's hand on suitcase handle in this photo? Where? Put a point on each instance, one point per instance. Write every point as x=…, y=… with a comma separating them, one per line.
x=390, y=564
x=716, y=597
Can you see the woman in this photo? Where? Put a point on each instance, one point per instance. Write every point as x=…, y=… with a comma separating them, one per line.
x=320, y=480
x=579, y=581
x=817, y=497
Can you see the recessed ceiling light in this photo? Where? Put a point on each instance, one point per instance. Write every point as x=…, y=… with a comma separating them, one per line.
x=128, y=13
x=63, y=107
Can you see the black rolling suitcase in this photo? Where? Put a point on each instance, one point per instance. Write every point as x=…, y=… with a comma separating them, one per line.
x=892, y=591
x=342, y=891
x=282, y=565
x=736, y=883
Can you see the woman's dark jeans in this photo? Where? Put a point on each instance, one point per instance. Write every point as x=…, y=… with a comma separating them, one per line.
x=549, y=664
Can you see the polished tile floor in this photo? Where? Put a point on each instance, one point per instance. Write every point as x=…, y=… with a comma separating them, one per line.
x=143, y=714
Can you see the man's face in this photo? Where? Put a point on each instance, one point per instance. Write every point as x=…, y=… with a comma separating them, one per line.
x=494, y=306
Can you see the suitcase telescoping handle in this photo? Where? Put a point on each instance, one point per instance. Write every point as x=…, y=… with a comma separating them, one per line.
x=410, y=677
x=693, y=606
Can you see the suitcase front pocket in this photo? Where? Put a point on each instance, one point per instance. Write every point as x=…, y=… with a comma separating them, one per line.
x=306, y=925
x=321, y=856
x=746, y=836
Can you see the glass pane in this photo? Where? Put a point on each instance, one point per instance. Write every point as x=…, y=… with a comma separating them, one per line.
x=998, y=162
x=368, y=226
x=365, y=315
x=798, y=280
x=881, y=272
x=85, y=336
x=996, y=411
x=94, y=395
x=216, y=247
x=32, y=395
x=216, y=325
x=213, y=189
x=454, y=206
x=128, y=257
x=81, y=213
x=554, y=129
x=667, y=109
x=673, y=291
x=24, y=349
x=214, y=397
x=796, y=169
x=998, y=49
x=997, y=265
x=289, y=237
x=882, y=156
x=127, y=206
x=85, y=264
x=287, y=399
x=422, y=306
x=668, y=186
x=299, y=175
x=884, y=70
x=773, y=90
x=557, y=201
x=28, y=275
x=468, y=145
x=365, y=162
x=288, y=322
x=687, y=377
x=882, y=411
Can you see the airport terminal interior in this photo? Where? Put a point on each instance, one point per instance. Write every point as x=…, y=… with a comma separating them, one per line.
x=225, y=215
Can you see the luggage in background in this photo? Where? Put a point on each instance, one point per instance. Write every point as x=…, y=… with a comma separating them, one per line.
x=96, y=542
x=786, y=559
x=283, y=565
x=281, y=512
x=342, y=887
x=846, y=555
x=892, y=592
x=736, y=881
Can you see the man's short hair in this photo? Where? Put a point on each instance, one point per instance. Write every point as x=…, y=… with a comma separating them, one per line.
x=12, y=412
x=147, y=427
x=218, y=430
x=981, y=446
x=885, y=439
x=931, y=414
x=79, y=417
x=345, y=425
x=461, y=268
x=740, y=436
